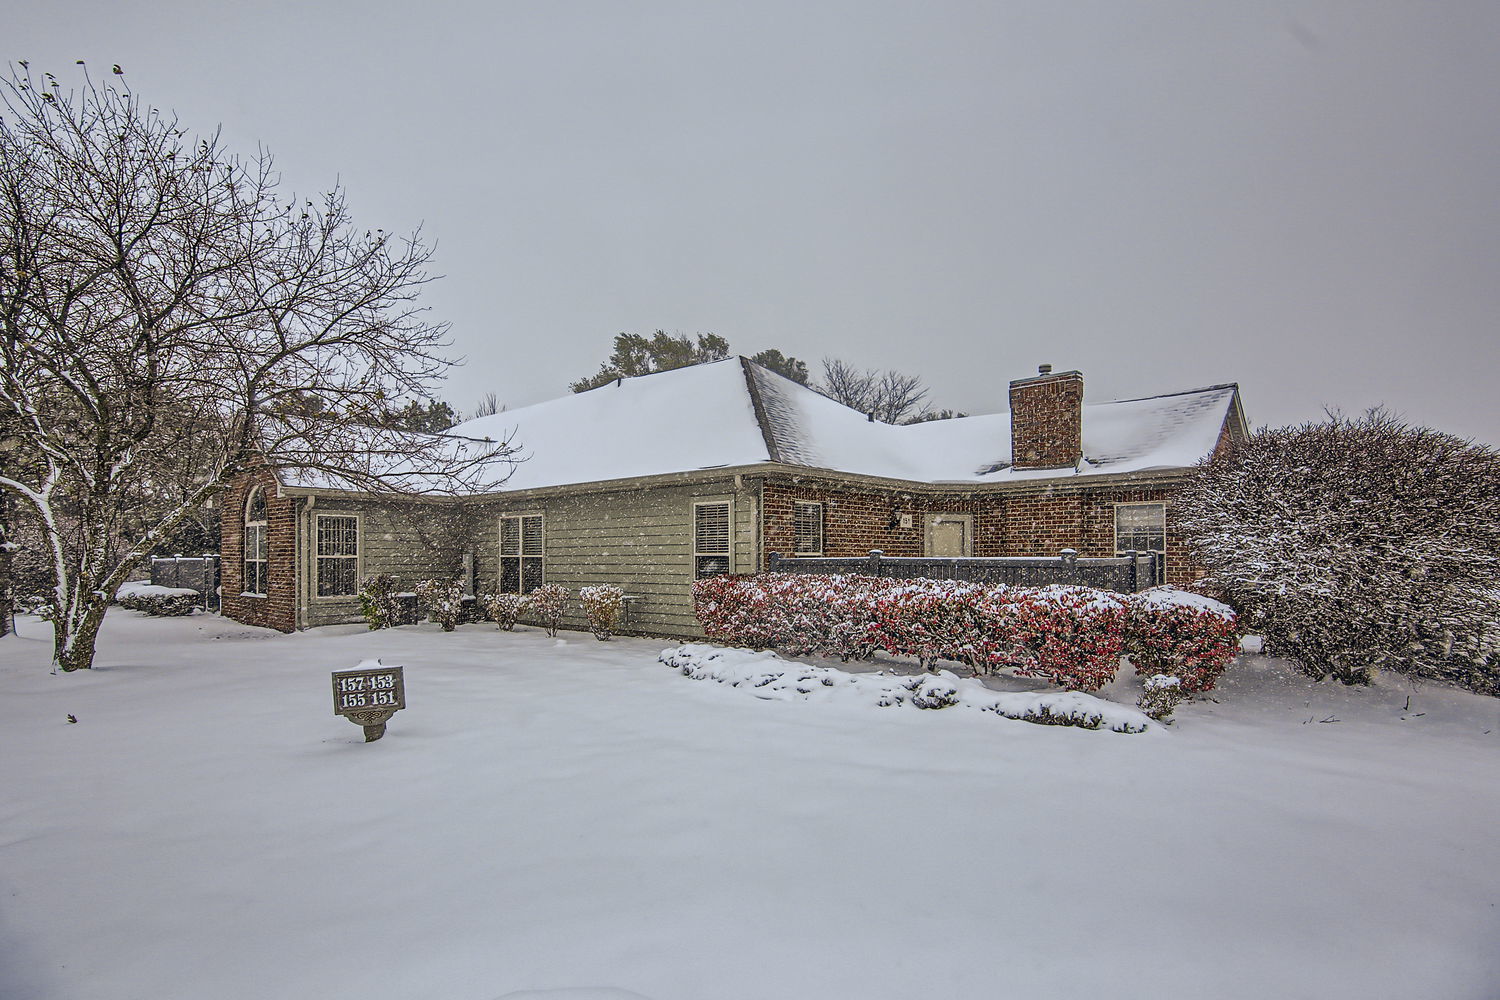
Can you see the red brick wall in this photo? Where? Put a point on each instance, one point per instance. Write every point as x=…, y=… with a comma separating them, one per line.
x=855, y=521
x=278, y=609
x=1226, y=441
x=1046, y=421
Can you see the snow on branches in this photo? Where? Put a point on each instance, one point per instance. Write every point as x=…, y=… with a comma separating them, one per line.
x=442, y=601
x=1358, y=544
x=380, y=603
x=503, y=608
x=604, y=606
x=170, y=320
x=547, y=604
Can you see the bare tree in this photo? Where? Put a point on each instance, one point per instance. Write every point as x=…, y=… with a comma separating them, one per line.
x=489, y=405
x=888, y=395
x=929, y=415
x=168, y=322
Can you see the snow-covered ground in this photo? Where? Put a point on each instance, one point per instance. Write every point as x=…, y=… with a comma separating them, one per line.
x=573, y=815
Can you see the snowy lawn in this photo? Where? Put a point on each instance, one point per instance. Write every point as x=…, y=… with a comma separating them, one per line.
x=554, y=814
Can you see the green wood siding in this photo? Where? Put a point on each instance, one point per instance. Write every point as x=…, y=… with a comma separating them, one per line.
x=640, y=540
x=409, y=541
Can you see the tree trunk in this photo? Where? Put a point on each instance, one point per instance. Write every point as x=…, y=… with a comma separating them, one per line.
x=75, y=631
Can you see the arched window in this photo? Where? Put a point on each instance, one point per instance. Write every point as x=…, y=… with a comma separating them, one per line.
x=255, y=543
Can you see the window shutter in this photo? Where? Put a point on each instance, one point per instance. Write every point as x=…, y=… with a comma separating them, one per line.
x=808, y=528
x=711, y=539
x=531, y=536
x=522, y=550
x=338, y=555
x=510, y=536
x=712, y=529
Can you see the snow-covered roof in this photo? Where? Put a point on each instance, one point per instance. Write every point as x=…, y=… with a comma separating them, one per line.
x=705, y=417
x=327, y=455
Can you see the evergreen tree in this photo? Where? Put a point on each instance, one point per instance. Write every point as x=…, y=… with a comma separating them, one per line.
x=782, y=365
x=636, y=355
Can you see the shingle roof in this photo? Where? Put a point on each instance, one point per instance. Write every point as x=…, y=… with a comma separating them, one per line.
x=734, y=413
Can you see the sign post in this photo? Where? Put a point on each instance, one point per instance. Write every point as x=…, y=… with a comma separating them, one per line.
x=369, y=695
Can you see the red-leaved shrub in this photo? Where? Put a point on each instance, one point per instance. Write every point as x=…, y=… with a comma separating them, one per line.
x=1181, y=634
x=1071, y=636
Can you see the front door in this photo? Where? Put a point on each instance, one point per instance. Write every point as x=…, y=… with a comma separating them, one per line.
x=950, y=535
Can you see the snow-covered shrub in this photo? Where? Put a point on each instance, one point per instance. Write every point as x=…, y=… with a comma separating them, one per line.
x=831, y=615
x=1356, y=544
x=33, y=577
x=1186, y=635
x=161, y=602
x=546, y=604
x=729, y=609
x=799, y=613
x=1072, y=636
x=939, y=620
x=378, y=602
x=503, y=609
x=1476, y=664
x=933, y=692
x=767, y=676
x=605, y=606
x=1160, y=695
x=442, y=601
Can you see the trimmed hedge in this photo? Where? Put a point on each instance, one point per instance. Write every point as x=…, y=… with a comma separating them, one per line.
x=1180, y=634
x=161, y=602
x=1072, y=636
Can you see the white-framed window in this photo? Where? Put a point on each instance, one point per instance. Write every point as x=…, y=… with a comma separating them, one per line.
x=713, y=539
x=1141, y=527
x=337, y=555
x=256, y=562
x=807, y=528
x=522, y=553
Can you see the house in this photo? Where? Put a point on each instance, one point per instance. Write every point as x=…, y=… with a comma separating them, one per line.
x=651, y=482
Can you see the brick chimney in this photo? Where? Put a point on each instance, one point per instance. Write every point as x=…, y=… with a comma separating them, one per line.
x=1046, y=420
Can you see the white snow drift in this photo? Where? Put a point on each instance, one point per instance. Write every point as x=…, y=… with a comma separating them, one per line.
x=770, y=677
x=570, y=815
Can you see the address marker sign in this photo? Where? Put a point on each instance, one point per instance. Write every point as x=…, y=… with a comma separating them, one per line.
x=369, y=695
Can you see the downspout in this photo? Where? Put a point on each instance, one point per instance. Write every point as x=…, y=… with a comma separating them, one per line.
x=304, y=593
x=760, y=517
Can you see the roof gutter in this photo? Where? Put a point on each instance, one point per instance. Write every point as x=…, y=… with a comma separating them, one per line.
x=1070, y=482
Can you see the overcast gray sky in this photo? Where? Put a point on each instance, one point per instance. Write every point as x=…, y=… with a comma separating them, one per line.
x=1297, y=196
